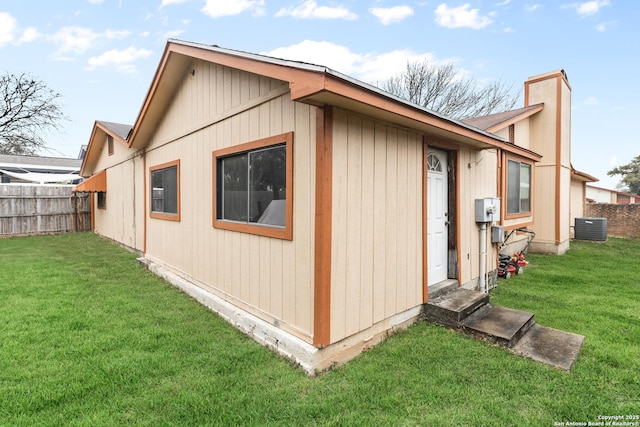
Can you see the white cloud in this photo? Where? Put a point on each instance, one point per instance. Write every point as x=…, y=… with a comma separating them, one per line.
x=461, y=17
x=95, y=1
x=503, y=3
x=172, y=34
x=388, y=15
x=591, y=7
x=604, y=26
x=310, y=9
x=117, y=34
x=7, y=28
x=169, y=2
x=29, y=34
x=78, y=40
x=218, y=8
x=121, y=60
x=369, y=67
x=75, y=40
x=591, y=101
x=532, y=7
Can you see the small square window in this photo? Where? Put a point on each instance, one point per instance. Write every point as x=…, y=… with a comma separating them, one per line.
x=102, y=200
x=165, y=191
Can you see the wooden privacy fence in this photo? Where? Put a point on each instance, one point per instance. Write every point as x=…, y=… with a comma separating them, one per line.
x=40, y=209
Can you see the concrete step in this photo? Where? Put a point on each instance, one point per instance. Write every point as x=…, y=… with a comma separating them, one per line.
x=442, y=288
x=550, y=346
x=500, y=325
x=453, y=307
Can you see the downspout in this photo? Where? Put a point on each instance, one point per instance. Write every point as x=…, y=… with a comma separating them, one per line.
x=482, y=282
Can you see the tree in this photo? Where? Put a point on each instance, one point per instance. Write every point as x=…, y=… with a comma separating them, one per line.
x=28, y=109
x=443, y=89
x=630, y=174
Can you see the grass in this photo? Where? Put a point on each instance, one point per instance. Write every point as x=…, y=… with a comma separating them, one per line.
x=88, y=338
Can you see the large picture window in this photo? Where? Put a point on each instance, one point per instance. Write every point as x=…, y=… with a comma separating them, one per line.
x=253, y=185
x=165, y=191
x=518, y=187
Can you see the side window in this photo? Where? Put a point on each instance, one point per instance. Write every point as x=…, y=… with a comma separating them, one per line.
x=165, y=191
x=102, y=200
x=518, y=187
x=110, y=144
x=253, y=185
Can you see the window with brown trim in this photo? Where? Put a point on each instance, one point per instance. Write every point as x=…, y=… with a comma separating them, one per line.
x=165, y=191
x=254, y=187
x=102, y=200
x=518, y=187
x=110, y=144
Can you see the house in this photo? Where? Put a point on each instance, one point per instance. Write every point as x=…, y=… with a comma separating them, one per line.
x=603, y=195
x=38, y=169
x=316, y=212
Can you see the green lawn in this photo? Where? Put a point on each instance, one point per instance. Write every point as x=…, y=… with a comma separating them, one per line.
x=89, y=338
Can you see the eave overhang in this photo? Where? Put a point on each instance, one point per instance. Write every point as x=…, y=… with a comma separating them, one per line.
x=310, y=84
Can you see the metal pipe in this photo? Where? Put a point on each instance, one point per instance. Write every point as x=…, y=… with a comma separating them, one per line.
x=482, y=283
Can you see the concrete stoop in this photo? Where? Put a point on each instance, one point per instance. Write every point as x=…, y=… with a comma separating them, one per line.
x=470, y=312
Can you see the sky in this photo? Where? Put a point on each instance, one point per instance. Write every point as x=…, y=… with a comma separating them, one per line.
x=101, y=55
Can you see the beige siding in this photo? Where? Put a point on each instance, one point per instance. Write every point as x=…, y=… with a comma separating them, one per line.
x=377, y=223
x=545, y=204
x=478, y=179
x=216, y=107
x=123, y=219
x=577, y=201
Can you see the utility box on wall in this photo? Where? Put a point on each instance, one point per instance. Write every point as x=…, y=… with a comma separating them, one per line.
x=497, y=234
x=488, y=209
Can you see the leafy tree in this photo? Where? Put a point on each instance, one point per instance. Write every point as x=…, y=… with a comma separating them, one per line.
x=444, y=89
x=630, y=174
x=28, y=109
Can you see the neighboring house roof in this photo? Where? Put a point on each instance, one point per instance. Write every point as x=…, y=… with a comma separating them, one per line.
x=622, y=193
x=495, y=122
x=39, y=164
x=39, y=169
x=308, y=83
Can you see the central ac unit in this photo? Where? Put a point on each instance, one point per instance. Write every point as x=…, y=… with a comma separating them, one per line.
x=591, y=229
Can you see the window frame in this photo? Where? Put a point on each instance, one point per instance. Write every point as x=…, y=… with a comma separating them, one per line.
x=165, y=215
x=101, y=196
x=286, y=232
x=520, y=162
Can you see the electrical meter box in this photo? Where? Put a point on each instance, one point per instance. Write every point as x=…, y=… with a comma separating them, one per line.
x=488, y=209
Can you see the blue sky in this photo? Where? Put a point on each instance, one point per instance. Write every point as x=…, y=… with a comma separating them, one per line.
x=101, y=54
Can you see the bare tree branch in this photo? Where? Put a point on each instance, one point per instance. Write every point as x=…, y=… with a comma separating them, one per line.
x=28, y=108
x=443, y=89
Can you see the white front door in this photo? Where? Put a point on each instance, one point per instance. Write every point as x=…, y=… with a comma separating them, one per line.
x=437, y=219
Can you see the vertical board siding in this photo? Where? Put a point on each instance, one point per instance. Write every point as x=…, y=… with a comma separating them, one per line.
x=477, y=180
x=38, y=209
x=121, y=220
x=376, y=220
x=215, y=108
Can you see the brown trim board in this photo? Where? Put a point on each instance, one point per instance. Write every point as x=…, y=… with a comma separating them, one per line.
x=322, y=250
